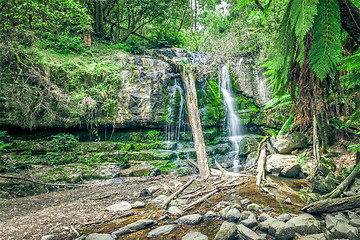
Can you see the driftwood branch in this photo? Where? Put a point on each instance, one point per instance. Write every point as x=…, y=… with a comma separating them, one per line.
x=225, y=173
x=44, y=183
x=200, y=200
x=333, y=205
x=167, y=201
x=260, y=176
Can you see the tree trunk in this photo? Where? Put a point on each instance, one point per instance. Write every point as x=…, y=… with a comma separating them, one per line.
x=261, y=167
x=333, y=205
x=188, y=79
x=350, y=19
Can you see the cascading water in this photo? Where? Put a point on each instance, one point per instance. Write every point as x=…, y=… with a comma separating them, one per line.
x=234, y=126
x=175, y=120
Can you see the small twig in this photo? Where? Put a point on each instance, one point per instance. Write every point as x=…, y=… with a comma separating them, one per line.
x=76, y=232
x=167, y=201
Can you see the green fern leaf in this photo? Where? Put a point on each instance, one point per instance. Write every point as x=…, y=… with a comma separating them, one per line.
x=326, y=49
x=302, y=16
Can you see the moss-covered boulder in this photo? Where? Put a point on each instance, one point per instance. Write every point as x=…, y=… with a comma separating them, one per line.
x=247, y=145
x=323, y=184
x=286, y=143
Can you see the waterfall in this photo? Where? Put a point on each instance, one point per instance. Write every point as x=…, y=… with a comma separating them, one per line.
x=175, y=116
x=234, y=126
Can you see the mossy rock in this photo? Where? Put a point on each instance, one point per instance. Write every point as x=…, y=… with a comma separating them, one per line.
x=328, y=163
x=324, y=184
x=247, y=144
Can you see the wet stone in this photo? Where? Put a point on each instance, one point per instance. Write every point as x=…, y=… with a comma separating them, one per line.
x=250, y=221
x=231, y=191
x=223, y=212
x=227, y=231
x=330, y=221
x=163, y=218
x=160, y=199
x=99, y=236
x=247, y=233
x=210, y=214
x=175, y=211
x=233, y=215
x=123, y=206
x=305, y=224
x=178, y=202
x=281, y=230
x=138, y=204
x=265, y=225
x=341, y=217
x=194, y=236
x=191, y=219
x=224, y=203
x=253, y=207
x=245, y=202
x=263, y=217
x=134, y=227
x=48, y=237
x=284, y=217
x=161, y=231
x=344, y=230
x=355, y=222
x=319, y=236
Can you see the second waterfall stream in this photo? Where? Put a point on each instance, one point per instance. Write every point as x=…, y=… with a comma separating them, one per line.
x=234, y=127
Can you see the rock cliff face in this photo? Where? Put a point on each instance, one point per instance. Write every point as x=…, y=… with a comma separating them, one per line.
x=146, y=87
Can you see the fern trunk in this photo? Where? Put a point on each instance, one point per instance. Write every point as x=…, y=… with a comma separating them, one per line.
x=350, y=19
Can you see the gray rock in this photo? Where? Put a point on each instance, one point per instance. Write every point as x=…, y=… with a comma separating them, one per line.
x=134, y=227
x=233, y=215
x=123, y=206
x=231, y=191
x=247, y=233
x=48, y=237
x=286, y=165
x=160, y=199
x=250, y=221
x=284, y=217
x=246, y=215
x=352, y=215
x=210, y=214
x=281, y=230
x=305, y=224
x=224, y=203
x=330, y=221
x=99, y=236
x=194, y=236
x=175, y=211
x=138, y=204
x=263, y=217
x=287, y=143
x=227, y=231
x=224, y=211
x=355, y=186
x=265, y=225
x=245, y=202
x=82, y=237
x=178, y=202
x=247, y=145
x=355, y=222
x=163, y=218
x=161, y=231
x=341, y=217
x=324, y=184
x=253, y=207
x=344, y=230
x=191, y=219
x=319, y=236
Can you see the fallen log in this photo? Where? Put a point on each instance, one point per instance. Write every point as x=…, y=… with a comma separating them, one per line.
x=345, y=184
x=200, y=200
x=333, y=205
x=167, y=201
x=44, y=183
x=225, y=173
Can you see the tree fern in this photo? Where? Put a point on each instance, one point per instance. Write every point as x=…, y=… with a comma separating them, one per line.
x=326, y=49
x=286, y=127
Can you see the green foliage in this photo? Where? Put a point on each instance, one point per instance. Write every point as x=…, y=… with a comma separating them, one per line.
x=326, y=49
x=354, y=147
x=163, y=166
x=63, y=142
x=65, y=44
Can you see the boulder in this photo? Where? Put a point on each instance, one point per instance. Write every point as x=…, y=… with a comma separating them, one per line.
x=223, y=212
x=263, y=217
x=285, y=165
x=245, y=202
x=355, y=222
x=227, y=231
x=284, y=217
x=253, y=207
x=319, y=236
x=210, y=214
x=48, y=237
x=265, y=225
x=175, y=211
x=281, y=230
x=286, y=143
x=344, y=230
x=305, y=224
x=325, y=184
x=161, y=231
x=191, y=219
x=134, y=227
x=233, y=215
x=246, y=145
x=247, y=233
x=194, y=236
x=138, y=204
x=99, y=236
x=123, y=206
x=250, y=160
x=330, y=221
x=250, y=221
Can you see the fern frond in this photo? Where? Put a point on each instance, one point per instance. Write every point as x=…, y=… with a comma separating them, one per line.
x=276, y=100
x=302, y=16
x=326, y=49
x=287, y=125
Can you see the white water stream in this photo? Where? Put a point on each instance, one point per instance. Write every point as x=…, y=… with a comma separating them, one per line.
x=234, y=126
